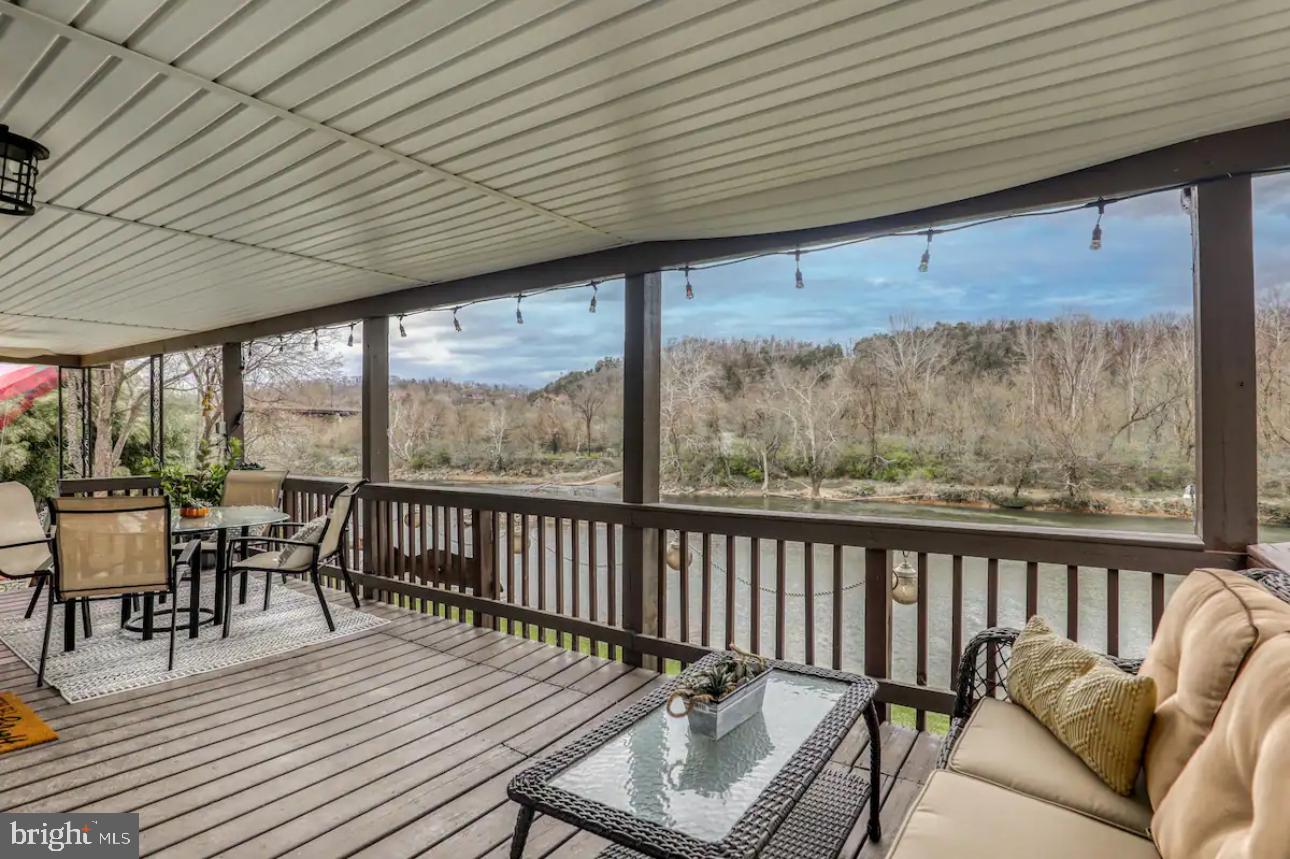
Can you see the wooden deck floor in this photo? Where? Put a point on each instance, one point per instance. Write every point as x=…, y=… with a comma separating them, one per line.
x=397, y=742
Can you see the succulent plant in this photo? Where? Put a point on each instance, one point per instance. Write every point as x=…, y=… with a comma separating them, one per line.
x=733, y=669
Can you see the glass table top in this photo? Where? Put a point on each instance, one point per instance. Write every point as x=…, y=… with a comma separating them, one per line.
x=659, y=771
x=227, y=517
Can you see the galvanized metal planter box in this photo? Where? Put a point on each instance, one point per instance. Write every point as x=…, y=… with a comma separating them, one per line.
x=718, y=718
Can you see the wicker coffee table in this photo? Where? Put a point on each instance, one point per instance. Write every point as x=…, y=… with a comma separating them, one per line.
x=644, y=782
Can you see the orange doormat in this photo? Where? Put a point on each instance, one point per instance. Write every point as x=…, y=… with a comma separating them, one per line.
x=19, y=726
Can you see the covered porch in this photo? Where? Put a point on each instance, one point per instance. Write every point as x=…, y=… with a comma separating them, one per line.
x=232, y=175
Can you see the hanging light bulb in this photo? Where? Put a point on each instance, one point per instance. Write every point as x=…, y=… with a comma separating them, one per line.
x=927, y=253
x=518, y=542
x=403, y=332
x=315, y=339
x=797, y=278
x=591, y=308
x=282, y=345
x=519, y=314
x=456, y=323
x=904, y=582
x=689, y=290
x=1096, y=243
x=673, y=556
x=351, y=334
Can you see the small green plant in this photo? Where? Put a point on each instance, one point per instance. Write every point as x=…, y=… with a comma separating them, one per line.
x=201, y=487
x=732, y=670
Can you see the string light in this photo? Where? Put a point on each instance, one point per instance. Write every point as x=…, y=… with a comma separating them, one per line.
x=797, y=278
x=927, y=253
x=403, y=332
x=456, y=323
x=351, y=334
x=282, y=344
x=1096, y=243
x=591, y=308
x=689, y=290
x=519, y=314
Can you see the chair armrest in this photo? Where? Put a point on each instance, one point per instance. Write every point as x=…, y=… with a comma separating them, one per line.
x=973, y=675
x=292, y=524
x=284, y=541
x=185, y=558
x=45, y=540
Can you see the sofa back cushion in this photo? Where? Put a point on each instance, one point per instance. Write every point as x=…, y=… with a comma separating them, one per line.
x=1209, y=628
x=1230, y=799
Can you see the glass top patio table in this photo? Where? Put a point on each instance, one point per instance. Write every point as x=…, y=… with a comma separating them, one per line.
x=227, y=518
x=646, y=782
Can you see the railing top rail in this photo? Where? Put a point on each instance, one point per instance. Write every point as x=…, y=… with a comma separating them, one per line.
x=105, y=484
x=1157, y=553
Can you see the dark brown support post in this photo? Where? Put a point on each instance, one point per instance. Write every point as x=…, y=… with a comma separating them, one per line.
x=1226, y=408
x=234, y=395
x=641, y=373
x=376, y=430
x=877, y=618
x=484, y=546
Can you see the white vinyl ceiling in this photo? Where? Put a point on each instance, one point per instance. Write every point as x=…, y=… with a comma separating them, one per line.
x=219, y=161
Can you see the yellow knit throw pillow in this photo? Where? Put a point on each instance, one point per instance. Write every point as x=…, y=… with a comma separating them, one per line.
x=1099, y=712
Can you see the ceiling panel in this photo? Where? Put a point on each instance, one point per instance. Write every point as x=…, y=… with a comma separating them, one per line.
x=221, y=162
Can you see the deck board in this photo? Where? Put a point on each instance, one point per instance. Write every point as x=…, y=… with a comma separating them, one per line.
x=394, y=742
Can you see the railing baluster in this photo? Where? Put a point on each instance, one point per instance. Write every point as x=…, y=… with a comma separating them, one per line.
x=920, y=665
x=781, y=608
x=808, y=591
x=559, y=565
x=684, y=584
x=611, y=567
x=662, y=578
x=593, y=578
x=837, y=607
x=731, y=596
x=1157, y=601
x=541, y=571
x=1032, y=589
x=1072, y=602
x=991, y=621
x=525, y=570
x=575, y=557
x=705, y=622
x=956, y=618
x=1113, y=611
x=461, y=554
x=754, y=613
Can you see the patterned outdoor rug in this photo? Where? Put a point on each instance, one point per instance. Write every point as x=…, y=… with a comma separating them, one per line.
x=115, y=660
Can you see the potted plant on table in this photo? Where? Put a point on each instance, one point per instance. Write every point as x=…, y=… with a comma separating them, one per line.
x=723, y=695
x=193, y=492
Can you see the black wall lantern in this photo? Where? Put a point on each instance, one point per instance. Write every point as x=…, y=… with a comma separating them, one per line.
x=18, y=157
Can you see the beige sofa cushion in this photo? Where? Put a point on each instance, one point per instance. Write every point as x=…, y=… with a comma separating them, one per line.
x=1096, y=710
x=1233, y=797
x=1207, y=630
x=1005, y=745
x=966, y=818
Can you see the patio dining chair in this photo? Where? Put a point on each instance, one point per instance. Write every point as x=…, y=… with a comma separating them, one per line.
x=248, y=487
x=313, y=544
x=113, y=547
x=25, y=551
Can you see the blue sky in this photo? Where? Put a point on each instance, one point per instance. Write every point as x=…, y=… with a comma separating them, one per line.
x=1022, y=268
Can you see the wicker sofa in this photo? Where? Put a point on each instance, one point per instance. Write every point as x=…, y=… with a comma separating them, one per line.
x=1216, y=758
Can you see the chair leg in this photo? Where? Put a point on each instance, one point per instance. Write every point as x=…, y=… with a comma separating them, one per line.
x=349, y=583
x=147, y=617
x=228, y=603
x=69, y=626
x=126, y=607
x=241, y=590
x=322, y=600
x=268, y=586
x=35, y=598
x=44, y=648
x=174, y=623
x=85, y=618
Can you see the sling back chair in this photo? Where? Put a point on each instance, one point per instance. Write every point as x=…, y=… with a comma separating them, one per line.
x=25, y=545
x=248, y=487
x=113, y=547
x=314, y=544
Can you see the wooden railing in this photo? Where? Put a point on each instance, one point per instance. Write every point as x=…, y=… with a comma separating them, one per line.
x=808, y=587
